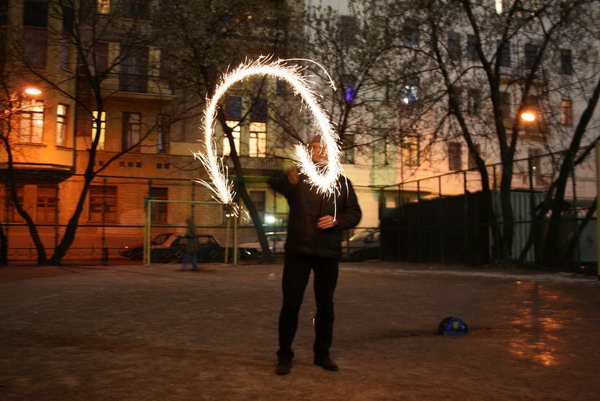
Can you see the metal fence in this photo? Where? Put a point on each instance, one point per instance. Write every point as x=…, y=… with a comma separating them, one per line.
x=446, y=218
x=114, y=215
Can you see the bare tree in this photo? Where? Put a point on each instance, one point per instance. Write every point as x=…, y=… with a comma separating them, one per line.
x=80, y=32
x=203, y=39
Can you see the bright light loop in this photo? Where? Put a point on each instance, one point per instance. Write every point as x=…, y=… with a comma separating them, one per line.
x=324, y=179
x=33, y=91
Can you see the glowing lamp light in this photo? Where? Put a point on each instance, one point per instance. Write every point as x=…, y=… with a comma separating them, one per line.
x=33, y=91
x=269, y=219
x=323, y=179
x=528, y=116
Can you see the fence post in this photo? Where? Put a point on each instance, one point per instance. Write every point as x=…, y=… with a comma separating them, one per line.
x=441, y=221
x=533, y=223
x=418, y=225
x=466, y=221
x=576, y=233
x=598, y=209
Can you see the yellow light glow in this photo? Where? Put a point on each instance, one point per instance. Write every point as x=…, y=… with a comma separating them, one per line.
x=528, y=116
x=33, y=91
x=324, y=180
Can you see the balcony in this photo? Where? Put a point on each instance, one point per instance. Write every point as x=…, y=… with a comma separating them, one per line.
x=141, y=86
x=257, y=165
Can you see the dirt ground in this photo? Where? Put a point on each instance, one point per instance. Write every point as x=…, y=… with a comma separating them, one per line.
x=157, y=333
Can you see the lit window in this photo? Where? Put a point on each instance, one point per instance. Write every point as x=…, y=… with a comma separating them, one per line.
x=235, y=126
x=104, y=6
x=566, y=112
x=410, y=94
x=499, y=6
x=31, y=124
x=99, y=130
x=258, y=140
x=61, y=124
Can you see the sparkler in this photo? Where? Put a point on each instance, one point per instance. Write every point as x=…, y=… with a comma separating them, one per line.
x=322, y=179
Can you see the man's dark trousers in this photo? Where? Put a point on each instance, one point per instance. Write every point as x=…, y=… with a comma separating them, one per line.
x=296, y=273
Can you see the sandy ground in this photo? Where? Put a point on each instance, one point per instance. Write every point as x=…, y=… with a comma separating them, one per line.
x=156, y=333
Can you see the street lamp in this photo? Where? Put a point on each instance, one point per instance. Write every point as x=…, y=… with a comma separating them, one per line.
x=528, y=116
x=32, y=91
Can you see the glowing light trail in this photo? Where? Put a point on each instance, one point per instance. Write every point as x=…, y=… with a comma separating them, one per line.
x=323, y=179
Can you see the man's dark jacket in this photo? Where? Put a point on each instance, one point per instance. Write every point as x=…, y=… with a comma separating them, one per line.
x=307, y=206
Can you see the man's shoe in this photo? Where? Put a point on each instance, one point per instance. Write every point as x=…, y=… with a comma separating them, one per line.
x=284, y=366
x=326, y=363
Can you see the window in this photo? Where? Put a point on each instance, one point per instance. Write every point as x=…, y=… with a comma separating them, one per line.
x=35, y=13
x=103, y=203
x=258, y=140
x=35, y=42
x=13, y=215
x=347, y=28
x=134, y=69
x=499, y=6
x=235, y=126
x=61, y=124
x=280, y=88
x=531, y=52
x=472, y=162
x=259, y=110
x=566, y=112
x=536, y=165
x=454, y=46
x=410, y=150
x=348, y=88
x=410, y=34
x=68, y=18
x=132, y=126
x=31, y=121
x=566, y=62
x=159, y=210
x=3, y=12
x=504, y=54
x=63, y=55
x=259, y=200
x=387, y=151
x=47, y=200
x=348, y=149
x=472, y=48
x=98, y=59
x=163, y=127
x=103, y=7
x=473, y=101
x=410, y=91
x=99, y=130
x=454, y=156
x=233, y=107
x=139, y=9
x=505, y=105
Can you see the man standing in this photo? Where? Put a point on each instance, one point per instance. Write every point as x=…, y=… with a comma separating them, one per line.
x=315, y=226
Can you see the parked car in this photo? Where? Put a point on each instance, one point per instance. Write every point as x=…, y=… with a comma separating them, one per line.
x=361, y=246
x=170, y=247
x=276, y=242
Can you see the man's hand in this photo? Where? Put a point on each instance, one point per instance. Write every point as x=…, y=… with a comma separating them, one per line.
x=292, y=175
x=326, y=222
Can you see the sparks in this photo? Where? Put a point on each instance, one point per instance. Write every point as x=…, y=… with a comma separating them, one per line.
x=324, y=180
